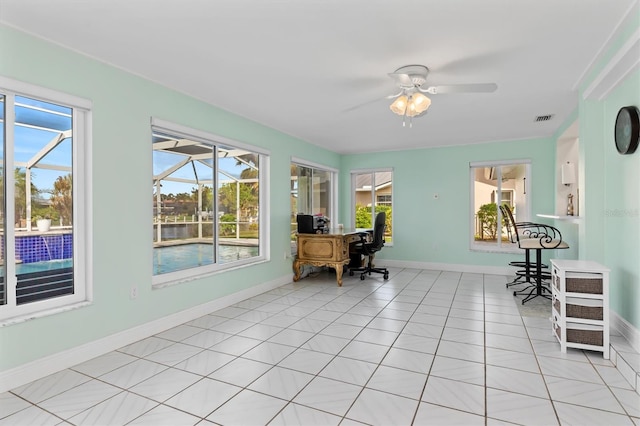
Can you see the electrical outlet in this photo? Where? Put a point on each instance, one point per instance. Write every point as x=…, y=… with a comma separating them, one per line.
x=133, y=293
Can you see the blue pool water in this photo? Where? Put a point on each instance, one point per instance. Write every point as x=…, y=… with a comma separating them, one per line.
x=43, y=280
x=184, y=256
x=165, y=259
x=26, y=268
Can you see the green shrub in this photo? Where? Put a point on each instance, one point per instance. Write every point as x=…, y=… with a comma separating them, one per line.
x=227, y=228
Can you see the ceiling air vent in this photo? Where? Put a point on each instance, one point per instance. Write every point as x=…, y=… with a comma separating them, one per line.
x=543, y=118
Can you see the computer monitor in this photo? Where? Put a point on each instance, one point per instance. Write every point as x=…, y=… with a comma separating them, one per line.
x=305, y=224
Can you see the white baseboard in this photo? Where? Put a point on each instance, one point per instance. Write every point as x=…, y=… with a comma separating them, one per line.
x=34, y=370
x=626, y=330
x=453, y=267
x=621, y=353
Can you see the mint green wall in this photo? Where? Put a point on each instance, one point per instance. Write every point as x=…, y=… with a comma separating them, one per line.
x=611, y=182
x=592, y=154
x=121, y=162
x=622, y=210
x=437, y=230
x=612, y=229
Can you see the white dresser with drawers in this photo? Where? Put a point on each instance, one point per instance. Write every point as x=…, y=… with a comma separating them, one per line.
x=580, y=305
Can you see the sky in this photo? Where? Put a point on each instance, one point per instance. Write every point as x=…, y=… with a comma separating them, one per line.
x=37, y=124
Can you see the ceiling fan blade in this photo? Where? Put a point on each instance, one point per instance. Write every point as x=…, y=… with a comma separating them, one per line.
x=395, y=96
x=372, y=101
x=461, y=88
x=403, y=80
x=363, y=104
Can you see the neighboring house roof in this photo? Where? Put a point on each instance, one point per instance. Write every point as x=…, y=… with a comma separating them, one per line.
x=363, y=181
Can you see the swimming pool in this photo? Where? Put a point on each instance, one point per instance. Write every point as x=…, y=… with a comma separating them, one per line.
x=47, y=265
x=42, y=280
x=185, y=256
x=165, y=259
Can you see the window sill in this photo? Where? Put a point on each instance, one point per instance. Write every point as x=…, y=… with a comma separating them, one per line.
x=499, y=250
x=571, y=219
x=180, y=277
x=24, y=318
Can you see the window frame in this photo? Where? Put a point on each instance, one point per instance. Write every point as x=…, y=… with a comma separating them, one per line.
x=374, y=200
x=333, y=173
x=499, y=247
x=82, y=202
x=188, y=274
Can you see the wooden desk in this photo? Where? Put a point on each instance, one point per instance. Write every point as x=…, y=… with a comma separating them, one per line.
x=330, y=249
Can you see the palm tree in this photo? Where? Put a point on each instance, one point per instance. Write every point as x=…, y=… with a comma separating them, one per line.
x=62, y=198
x=20, y=194
x=248, y=201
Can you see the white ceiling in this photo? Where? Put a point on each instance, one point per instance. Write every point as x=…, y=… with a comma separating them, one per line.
x=317, y=69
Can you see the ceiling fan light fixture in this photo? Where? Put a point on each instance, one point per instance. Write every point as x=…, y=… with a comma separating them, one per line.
x=410, y=105
x=419, y=103
x=399, y=106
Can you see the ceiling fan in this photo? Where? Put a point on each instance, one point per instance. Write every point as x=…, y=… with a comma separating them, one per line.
x=411, y=101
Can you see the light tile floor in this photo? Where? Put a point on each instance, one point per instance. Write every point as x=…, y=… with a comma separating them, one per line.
x=424, y=348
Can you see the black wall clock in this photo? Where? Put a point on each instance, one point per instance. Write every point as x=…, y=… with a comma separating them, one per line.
x=627, y=130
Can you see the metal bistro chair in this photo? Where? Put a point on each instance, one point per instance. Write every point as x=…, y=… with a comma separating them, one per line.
x=370, y=248
x=523, y=275
x=533, y=236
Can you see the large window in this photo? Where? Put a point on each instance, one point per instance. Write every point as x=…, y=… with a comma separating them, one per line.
x=42, y=215
x=207, y=194
x=373, y=193
x=312, y=191
x=494, y=184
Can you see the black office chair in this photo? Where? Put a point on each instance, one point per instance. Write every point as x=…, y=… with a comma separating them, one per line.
x=370, y=248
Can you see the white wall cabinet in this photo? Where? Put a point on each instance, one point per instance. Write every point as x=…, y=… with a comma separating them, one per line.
x=580, y=305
